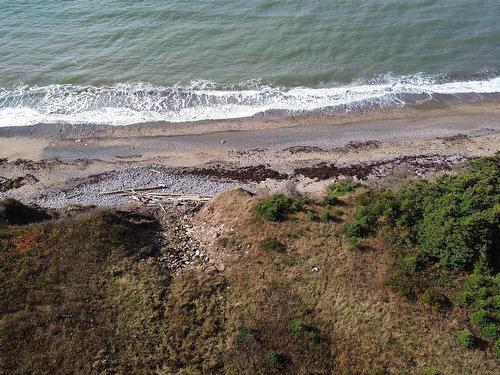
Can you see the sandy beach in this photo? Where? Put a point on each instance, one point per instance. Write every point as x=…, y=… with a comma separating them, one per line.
x=55, y=165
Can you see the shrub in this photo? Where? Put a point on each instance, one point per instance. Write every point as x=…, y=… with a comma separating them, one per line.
x=313, y=337
x=487, y=323
x=455, y=220
x=296, y=326
x=490, y=331
x=273, y=244
x=480, y=318
x=461, y=218
x=311, y=216
x=463, y=299
x=245, y=335
x=375, y=207
x=411, y=263
x=274, y=359
x=355, y=229
x=403, y=283
x=326, y=215
x=276, y=207
x=353, y=243
x=337, y=212
x=434, y=299
x=339, y=189
x=477, y=290
x=465, y=338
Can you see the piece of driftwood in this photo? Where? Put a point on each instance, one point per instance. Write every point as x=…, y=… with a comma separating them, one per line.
x=148, y=196
x=144, y=188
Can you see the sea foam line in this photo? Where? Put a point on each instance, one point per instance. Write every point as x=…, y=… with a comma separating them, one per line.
x=129, y=103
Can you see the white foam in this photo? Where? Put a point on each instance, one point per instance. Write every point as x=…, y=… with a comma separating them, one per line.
x=124, y=104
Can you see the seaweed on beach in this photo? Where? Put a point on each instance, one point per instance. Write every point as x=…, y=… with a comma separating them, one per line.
x=422, y=163
x=256, y=173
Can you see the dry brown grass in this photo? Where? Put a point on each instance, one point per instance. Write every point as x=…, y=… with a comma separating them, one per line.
x=85, y=298
x=369, y=329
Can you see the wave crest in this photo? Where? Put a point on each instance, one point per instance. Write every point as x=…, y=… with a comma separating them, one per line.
x=128, y=103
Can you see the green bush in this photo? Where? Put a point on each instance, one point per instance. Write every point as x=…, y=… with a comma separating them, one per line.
x=296, y=326
x=465, y=338
x=480, y=318
x=375, y=207
x=273, y=244
x=477, y=291
x=355, y=229
x=353, y=243
x=311, y=216
x=404, y=283
x=490, y=331
x=276, y=207
x=274, y=359
x=448, y=227
x=339, y=189
x=245, y=335
x=461, y=217
x=463, y=299
x=326, y=215
x=434, y=299
x=412, y=263
x=487, y=322
x=455, y=220
x=313, y=337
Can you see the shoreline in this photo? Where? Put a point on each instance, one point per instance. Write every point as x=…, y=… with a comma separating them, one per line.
x=261, y=121
x=303, y=158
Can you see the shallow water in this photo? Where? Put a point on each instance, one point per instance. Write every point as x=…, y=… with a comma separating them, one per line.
x=123, y=62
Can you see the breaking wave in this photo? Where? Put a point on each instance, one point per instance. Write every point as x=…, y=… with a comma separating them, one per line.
x=129, y=103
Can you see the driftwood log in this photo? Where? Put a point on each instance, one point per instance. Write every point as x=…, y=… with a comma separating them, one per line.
x=149, y=195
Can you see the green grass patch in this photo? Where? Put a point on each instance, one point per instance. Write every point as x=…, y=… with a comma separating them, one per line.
x=246, y=335
x=274, y=359
x=339, y=189
x=273, y=244
x=435, y=300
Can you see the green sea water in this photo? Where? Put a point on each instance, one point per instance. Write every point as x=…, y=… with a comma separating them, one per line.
x=128, y=61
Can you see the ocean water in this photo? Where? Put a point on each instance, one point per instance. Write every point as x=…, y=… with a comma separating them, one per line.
x=122, y=62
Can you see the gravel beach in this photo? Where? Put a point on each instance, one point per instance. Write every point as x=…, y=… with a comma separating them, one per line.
x=61, y=165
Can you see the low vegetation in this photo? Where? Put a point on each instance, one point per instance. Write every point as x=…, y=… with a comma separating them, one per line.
x=277, y=207
x=339, y=189
x=365, y=281
x=466, y=338
x=273, y=244
x=444, y=234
